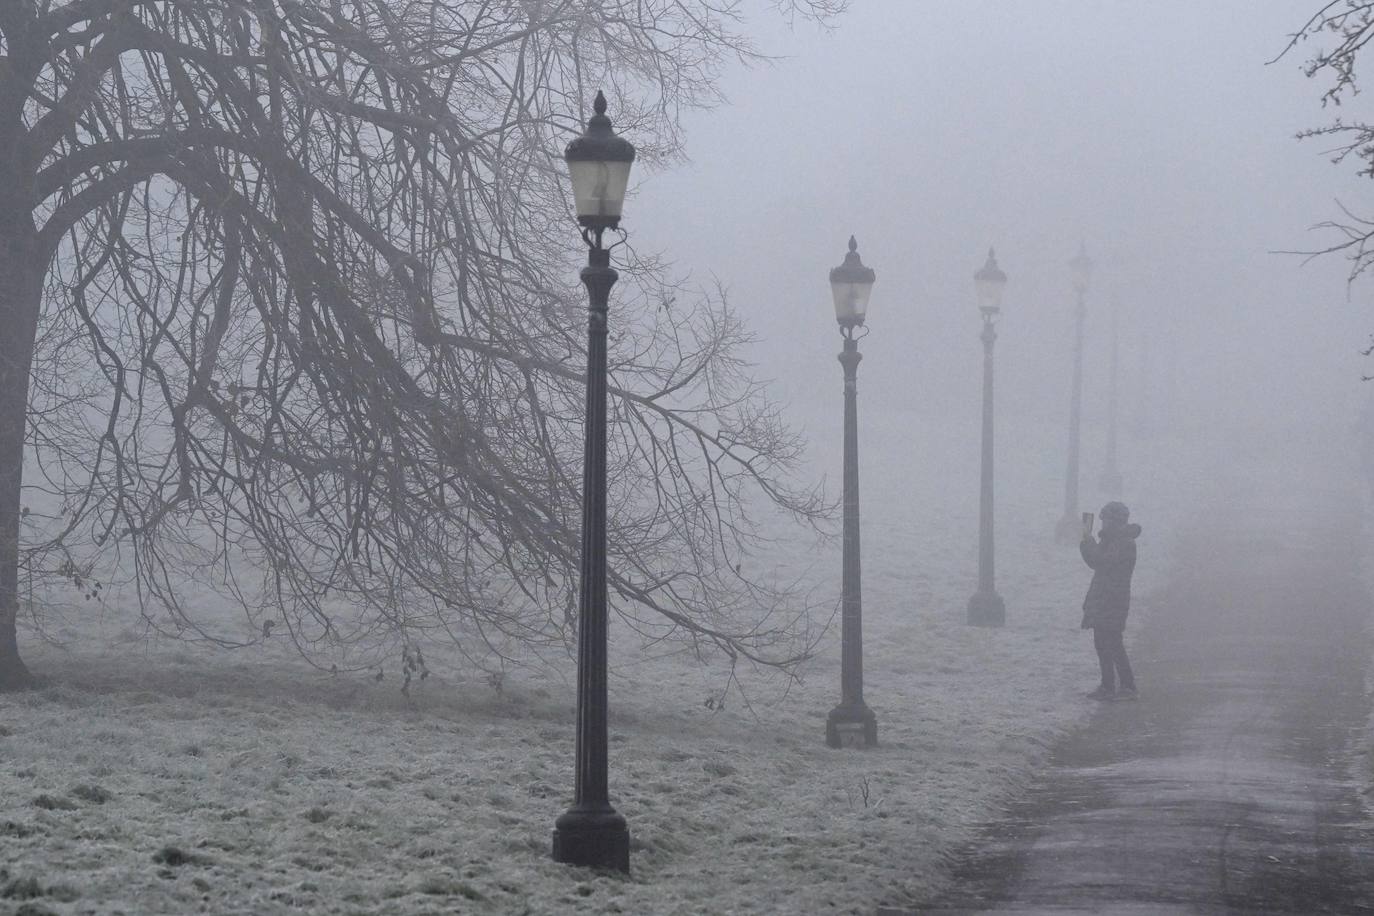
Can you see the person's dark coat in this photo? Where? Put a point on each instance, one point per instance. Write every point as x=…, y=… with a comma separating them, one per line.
x=1112, y=558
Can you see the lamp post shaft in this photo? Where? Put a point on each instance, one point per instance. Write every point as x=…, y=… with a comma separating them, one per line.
x=1112, y=483
x=986, y=607
x=591, y=832
x=852, y=720
x=852, y=672
x=1075, y=413
x=986, y=561
x=1142, y=391
x=1069, y=525
x=598, y=277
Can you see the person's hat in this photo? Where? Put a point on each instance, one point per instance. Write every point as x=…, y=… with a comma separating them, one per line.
x=1115, y=511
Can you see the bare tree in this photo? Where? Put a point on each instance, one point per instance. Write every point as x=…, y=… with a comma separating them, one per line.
x=1342, y=29
x=288, y=312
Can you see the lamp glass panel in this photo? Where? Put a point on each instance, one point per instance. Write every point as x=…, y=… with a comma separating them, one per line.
x=851, y=300
x=1082, y=272
x=599, y=187
x=990, y=292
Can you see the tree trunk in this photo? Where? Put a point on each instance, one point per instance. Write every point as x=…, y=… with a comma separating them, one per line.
x=21, y=289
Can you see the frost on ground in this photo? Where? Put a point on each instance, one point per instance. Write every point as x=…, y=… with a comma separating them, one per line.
x=151, y=777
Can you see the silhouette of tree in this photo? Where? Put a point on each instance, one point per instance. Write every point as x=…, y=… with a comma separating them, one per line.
x=1342, y=29
x=289, y=314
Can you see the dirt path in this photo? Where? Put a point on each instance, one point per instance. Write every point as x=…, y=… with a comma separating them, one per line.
x=1228, y=787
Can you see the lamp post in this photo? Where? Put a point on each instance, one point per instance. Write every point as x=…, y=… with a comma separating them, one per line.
x=1071, y=526
x=986, y=608
x=852, y=723
x=1142, y=425
x=1111, y=483
x=592, y=832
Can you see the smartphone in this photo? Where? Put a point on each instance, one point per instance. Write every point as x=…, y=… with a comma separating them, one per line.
x=1087, y=524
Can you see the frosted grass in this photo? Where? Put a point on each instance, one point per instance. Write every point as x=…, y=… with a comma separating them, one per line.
x=152, y=777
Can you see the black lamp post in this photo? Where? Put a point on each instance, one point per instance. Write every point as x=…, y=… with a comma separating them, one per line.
x=1070, y=527
x=852, y=723
x=1111, y=483
x=1142, y=425
x=986, y=608
x=592, y=832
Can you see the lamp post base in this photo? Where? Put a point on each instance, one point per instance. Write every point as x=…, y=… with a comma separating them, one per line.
x=987, y=609
x=1069, y=530
x=1111, y=483
x=596, y=837
x=851, y=726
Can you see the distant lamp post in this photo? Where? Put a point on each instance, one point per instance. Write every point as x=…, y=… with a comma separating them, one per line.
x=1111, y=483
x=852, y=723
x=986, y=608
x=1141, y=425
x=592, y=832
x=1070, y=526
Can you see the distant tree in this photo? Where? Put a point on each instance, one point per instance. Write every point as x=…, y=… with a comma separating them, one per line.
x=288, y=312
x=1341, y=29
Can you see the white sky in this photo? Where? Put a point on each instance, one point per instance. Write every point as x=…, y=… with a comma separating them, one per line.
x=1153, y=131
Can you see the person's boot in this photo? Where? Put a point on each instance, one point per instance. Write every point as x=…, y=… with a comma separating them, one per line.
x=1103, y=692
x=1126, y=694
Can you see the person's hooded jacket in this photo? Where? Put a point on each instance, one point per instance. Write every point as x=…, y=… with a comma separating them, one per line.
x=1112, y=558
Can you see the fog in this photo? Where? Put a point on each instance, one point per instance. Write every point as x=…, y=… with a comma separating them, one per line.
x=340, y=480
x=1155, y=134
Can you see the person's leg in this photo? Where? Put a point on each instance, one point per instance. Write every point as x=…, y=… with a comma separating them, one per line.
x=1106, y=659
x=1117, y=648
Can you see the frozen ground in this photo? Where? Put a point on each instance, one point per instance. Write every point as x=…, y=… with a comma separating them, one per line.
x=153, y=778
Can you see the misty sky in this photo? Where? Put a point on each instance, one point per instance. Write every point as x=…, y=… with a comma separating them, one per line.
x=1154, y=132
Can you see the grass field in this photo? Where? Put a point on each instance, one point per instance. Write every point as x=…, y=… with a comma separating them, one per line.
x=151, y=777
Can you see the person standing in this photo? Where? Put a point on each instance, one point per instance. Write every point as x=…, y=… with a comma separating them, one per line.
x=1111, y=556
